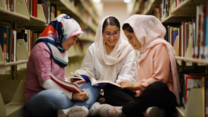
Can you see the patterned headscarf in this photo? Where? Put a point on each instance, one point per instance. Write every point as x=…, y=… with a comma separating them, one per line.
x=60, y=29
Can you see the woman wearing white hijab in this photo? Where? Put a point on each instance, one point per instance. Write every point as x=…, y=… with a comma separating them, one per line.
x=157, y=83
x=110, y=57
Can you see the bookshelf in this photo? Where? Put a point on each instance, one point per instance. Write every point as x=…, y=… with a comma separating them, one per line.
x=151, y=4
x=89, y=10
x=184, y=12
x=20, y=14
x=13, y=74
x=21, y=53
x=67, y=7
x=176, y=14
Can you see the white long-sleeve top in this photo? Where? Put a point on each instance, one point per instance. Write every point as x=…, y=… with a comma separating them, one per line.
x=92, y=66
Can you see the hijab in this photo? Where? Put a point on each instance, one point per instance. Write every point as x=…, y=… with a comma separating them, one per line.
x=59, y=30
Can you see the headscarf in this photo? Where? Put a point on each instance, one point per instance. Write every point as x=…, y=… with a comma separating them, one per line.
x=59, y=30
x=120, y=51
x=150, y=32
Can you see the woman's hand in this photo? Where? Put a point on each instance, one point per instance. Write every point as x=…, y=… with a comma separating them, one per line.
x=79, y=82
x=137, y=93
x=80, y=96
x=129, y=85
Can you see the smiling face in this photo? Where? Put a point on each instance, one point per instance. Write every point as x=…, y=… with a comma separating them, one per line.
x=70, y=42
x=111, y=35
x=132, y=40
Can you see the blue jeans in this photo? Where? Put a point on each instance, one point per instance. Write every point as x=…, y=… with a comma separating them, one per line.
x=47, y=102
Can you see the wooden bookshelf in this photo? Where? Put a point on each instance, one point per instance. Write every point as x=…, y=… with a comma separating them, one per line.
x=89, y=11
x=11, y=98
x=40, y=20
x=13, y=63
x=21, y=13
x=187, y=8
x=21, y=53
x=193, y=60
x=175, y=19
x=151, y=5
x=184, y=12
x=67, y=7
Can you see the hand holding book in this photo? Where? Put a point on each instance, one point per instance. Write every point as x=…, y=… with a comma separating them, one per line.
x=100, y=84
x=80, y=96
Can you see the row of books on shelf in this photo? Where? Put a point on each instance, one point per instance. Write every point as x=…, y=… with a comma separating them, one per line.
x=190, y=38
x=190, y=80
x=167, y=6
x=50, y=9
x=8, y=39
x=10, y=5
x=164, y=9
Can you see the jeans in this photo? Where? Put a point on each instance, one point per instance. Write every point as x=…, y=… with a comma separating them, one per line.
x=47, y=102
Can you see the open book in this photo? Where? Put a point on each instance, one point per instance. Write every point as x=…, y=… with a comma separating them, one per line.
x=66, y=85
x=99, y=84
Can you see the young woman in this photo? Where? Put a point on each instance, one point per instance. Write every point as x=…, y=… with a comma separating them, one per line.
x=42, y=96
x=110, y=57
x=157, y=78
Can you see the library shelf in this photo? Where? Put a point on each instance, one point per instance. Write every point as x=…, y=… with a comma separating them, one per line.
x=193, y=60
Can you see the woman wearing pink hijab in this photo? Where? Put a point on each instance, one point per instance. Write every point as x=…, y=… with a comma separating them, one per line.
x=157, y=83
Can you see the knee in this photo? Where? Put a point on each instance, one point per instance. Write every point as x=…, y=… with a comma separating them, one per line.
x=57, y=98
x=158, y=86
x=110, y=89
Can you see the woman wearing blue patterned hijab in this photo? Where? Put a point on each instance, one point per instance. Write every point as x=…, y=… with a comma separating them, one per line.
x=42, y=96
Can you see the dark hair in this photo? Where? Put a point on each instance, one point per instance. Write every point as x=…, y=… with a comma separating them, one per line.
x=111, y=21
x=128, y=28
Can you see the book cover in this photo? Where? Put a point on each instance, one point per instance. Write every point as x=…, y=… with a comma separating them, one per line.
x=15, y=44
x=12, y=46
x=175, y=34
x=66, y=85
x=5, y=40
x=9, y=45
x=206, y=34
x=194, y=37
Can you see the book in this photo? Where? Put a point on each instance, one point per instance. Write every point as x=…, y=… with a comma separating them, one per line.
x=66, y=85
x=100, y=84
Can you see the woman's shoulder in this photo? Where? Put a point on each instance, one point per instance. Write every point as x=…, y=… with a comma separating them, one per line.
x=92, y=48
x=42, y=46
x=159, y=46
